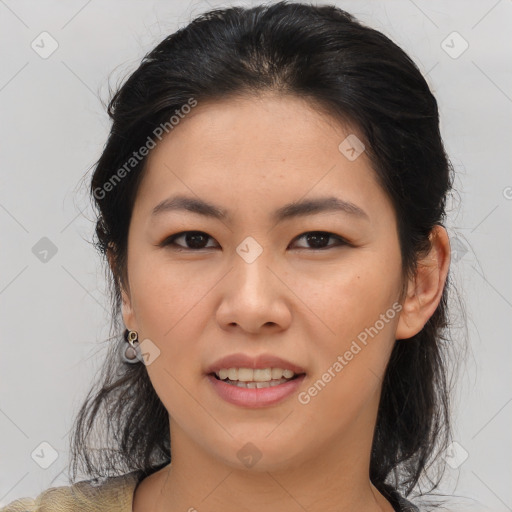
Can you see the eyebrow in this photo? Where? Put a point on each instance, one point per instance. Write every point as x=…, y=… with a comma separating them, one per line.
x=300, y=208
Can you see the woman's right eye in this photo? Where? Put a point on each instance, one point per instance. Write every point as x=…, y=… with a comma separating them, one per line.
x=194, y=238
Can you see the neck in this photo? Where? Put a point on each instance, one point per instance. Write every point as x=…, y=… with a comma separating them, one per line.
x=333, y=481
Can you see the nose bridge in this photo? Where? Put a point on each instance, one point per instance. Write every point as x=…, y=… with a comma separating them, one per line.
x=250, y=295
x=253, y=296
x=252, y=272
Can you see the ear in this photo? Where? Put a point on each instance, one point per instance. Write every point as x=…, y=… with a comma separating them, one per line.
x=127, y=310
x=425, y=289
x=126, y=306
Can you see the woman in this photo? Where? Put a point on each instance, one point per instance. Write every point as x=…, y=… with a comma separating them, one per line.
x=270, y=201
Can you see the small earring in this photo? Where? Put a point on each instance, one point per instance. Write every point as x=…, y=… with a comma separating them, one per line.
x=132, y=353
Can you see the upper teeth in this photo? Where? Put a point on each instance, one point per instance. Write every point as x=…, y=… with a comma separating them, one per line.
x=258, y=375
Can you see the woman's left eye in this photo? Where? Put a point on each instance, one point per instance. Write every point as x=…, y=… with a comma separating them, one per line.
x=197, y=238
x=317, y=238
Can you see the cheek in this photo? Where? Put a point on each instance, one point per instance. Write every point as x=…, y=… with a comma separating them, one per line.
x=359, y=316
x=351, y=296
x=166, y=297
x=350, y=364
x=171, y=307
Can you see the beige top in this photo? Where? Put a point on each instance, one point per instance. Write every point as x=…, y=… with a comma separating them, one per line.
x=114, y=494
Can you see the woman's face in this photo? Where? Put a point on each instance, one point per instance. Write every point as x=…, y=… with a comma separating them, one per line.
x=250, y=284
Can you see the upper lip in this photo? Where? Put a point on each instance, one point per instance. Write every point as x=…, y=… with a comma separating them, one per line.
x=246, y=361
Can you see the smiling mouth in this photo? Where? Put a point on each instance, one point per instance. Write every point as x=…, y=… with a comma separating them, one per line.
x=256, y=384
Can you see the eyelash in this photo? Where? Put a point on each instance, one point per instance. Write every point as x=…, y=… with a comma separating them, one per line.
x=170, y=241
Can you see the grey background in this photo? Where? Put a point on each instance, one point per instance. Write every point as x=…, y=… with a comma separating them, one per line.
x=54, y=307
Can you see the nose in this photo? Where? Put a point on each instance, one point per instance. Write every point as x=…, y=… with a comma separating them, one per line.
x=254, y=297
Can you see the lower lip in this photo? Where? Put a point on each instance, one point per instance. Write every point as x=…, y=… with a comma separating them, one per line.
x=255, y=397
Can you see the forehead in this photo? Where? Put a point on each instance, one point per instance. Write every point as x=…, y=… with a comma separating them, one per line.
x=266, y=150
x=242, y=126
x=254, y=129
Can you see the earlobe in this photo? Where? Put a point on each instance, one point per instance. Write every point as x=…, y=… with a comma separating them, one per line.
x=425, y=289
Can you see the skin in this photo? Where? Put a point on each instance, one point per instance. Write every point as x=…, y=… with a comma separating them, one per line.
x=251, y=156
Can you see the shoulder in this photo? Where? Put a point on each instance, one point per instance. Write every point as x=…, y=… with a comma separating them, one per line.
x=111, y=494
